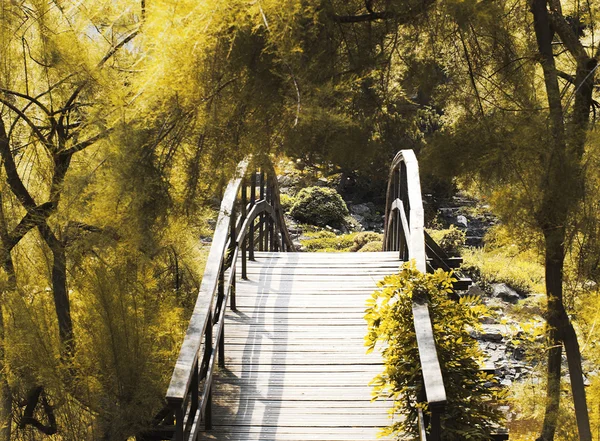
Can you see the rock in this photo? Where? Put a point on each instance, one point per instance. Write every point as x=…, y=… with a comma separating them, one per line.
x=487, y=320
x=358, y=218
x=519, y=354
x=462, y=221
x=505, y=292
x=491, y=336
x=475, y=290
x=322, y=182
x=360, y=209
x=506, y=382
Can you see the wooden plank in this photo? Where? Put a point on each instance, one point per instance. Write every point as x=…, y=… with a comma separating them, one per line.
x=296, y=364
x=432, y=373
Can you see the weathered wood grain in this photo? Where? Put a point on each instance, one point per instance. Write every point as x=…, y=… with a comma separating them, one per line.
x=296, y=364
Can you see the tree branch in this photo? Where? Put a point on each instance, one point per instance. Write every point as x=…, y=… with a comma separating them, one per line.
x=371, y=16
x=22, y=115
x=12, y=176
x=32, y=219
x=107, y=57
x=566, y=76
x=564, y=30
x=84, y=144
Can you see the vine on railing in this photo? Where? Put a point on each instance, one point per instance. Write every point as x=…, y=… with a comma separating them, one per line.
x=250, y=218
x=404, y=232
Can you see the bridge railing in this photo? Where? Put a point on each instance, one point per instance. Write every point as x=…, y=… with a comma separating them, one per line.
x=404, y=232
x=250, y=218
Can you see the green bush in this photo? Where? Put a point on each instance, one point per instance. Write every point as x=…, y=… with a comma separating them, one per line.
x=467, y=413
x=286, y=202
x=326, y=241
x=376, y=245
x=361, y=239
x=451, y=240
x=319, y=206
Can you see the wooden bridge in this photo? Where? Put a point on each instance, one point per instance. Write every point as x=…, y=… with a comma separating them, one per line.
x=290, y=349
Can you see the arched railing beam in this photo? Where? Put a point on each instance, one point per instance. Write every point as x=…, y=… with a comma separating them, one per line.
x=406, y=234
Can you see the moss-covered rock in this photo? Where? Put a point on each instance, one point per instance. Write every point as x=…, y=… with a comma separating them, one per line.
x=319, y=206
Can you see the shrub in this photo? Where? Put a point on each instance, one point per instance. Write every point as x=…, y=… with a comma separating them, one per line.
x=451, y=240
x=376, y=245
x=319, y=206
x=520, y=271
x=326, y=241
x=389, y=316
x=361, y=239
x=286, y=202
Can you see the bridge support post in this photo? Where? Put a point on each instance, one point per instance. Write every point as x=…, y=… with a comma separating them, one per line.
x=251, y=230
x=245, y=241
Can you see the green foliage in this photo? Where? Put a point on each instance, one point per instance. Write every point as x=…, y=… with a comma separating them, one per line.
x=451, y=240
x=286, y=202
x=319, y=206
x=376, y=245
x=326, y=241
x=519, y=270
x=363, y=238
x=467, y=414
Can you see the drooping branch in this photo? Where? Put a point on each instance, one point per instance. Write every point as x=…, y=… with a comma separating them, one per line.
x=28, y=98
x=100, y=64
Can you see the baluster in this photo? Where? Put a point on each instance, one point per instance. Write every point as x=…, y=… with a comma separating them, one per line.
x=232, y=246
x=194, y=388
x=208, y=349
x=261, y=226
x=271, y=221
x=268, y=232
x=394, y=214
x=179, y=423
x=252, y=203
x=245, y=241
x=436, y=429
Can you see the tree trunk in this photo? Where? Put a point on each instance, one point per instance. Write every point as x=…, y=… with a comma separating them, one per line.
x=5, y=394
x=59, y=288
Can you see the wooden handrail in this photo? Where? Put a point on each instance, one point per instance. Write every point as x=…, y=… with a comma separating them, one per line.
x=189, y=395
x=404, y=232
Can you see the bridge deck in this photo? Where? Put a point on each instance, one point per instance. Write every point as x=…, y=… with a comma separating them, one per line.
x=296, y=363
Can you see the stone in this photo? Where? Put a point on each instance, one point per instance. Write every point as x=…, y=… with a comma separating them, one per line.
x=491, y=336
x=506, y=382
x=360, y=209
x=475, y=290
x=487, y=320
x=462, y=221
x=505, y=292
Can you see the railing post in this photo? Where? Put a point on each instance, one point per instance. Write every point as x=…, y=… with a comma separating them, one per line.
x=194, y=390
x=245, y=241
x=179, y=423
x=208, y=349
x=251, y=230
x=261, y=226
x=435, y=423
x=271, y=221
x=232, y=246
